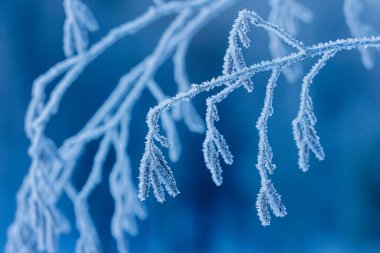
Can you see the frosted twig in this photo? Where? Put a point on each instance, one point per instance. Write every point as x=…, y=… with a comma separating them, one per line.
x=127, y=206
x=79, y=21
x=88, y=239
x=267, y=196
x=214, y=143
x=352, y=10
x=286, y=13
x=265, y=151
x=304, y=132
x=185, y=110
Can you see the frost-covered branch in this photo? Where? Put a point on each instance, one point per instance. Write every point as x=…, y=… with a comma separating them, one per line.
x=305, y=133
x=76, y=67
x=38, y=222
x=52, y=167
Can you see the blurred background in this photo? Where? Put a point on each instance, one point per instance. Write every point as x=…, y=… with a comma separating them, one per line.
x=332, y=208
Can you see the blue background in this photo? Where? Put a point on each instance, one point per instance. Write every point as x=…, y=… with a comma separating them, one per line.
x=332, y=208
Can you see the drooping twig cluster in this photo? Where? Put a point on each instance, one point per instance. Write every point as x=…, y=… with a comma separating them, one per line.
x=235, y=75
